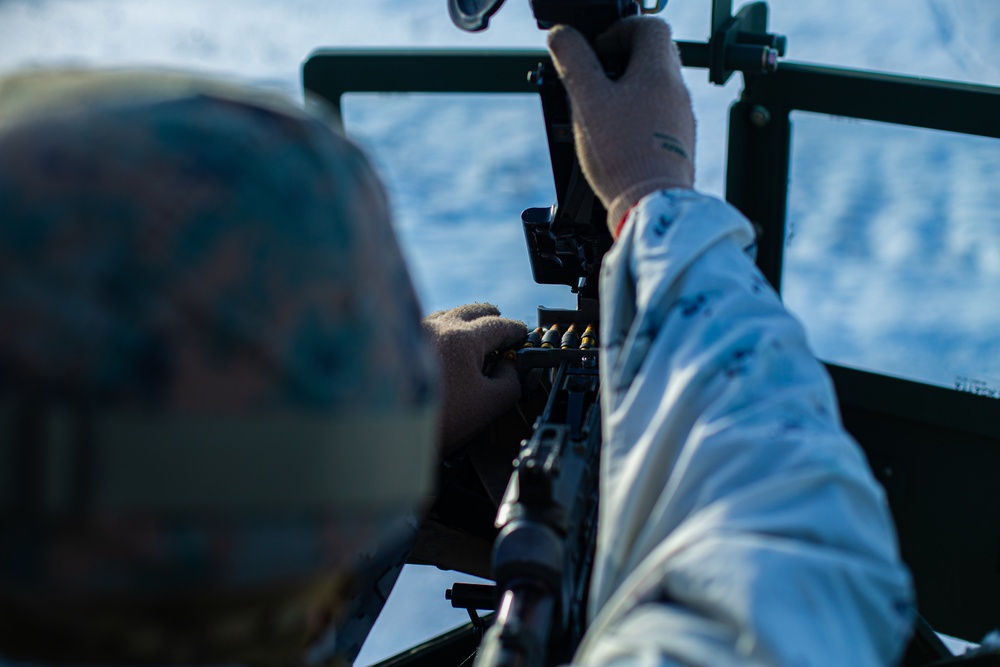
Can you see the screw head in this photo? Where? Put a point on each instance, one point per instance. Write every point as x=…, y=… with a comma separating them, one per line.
x=760, y=116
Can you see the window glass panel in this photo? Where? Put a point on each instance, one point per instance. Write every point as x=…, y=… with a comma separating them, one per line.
x=266, y=41
x=942, y=39
x=892, y=254
x=460, y=168
x=415, y=612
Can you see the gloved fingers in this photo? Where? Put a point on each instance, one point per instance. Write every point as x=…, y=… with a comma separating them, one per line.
x=649, y=40
x=577, y=64
x=472, y=400
x=464, y=313
x=436, y=315
x=505, y=386
x=619, y=38
x=647, y=43
x=473, y=311
x=491, y=396
x=657, y=55
x=497, y=333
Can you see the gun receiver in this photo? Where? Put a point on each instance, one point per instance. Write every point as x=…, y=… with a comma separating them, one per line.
x=543, y=556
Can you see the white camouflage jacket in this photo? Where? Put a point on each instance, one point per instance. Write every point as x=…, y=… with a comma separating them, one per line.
x=739, y=522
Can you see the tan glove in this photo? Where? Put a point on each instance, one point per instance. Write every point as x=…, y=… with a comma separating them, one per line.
x=634, y=135
x=471, y=400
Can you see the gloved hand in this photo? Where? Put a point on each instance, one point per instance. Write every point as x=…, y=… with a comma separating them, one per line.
x=634, y=135
x=471, y=400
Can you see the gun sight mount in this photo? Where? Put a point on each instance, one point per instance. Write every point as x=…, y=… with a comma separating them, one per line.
x=591, y=17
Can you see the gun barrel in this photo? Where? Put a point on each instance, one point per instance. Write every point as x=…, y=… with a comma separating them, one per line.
x=521, y=632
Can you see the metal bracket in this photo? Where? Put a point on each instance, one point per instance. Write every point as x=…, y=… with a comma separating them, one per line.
x=741, y=42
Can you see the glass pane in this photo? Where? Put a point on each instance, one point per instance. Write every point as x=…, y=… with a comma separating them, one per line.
x=892, y=253
x=415, y=612
x=266, y=41
x=942, y=39
x=460, y=169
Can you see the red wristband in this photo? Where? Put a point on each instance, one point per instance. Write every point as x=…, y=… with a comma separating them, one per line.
x=621, y=223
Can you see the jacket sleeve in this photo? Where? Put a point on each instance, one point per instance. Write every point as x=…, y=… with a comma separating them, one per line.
x=739, y=522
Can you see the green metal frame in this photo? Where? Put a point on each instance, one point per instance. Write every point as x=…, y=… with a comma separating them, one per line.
x=330, y=73
x=760, y=129
x=936, y=451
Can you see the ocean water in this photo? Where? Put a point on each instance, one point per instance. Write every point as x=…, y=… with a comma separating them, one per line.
x=894, y=244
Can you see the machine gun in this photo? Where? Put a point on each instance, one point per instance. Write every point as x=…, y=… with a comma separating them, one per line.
x=543, y=554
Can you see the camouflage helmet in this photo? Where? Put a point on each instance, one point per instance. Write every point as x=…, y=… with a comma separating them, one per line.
x=214, y=390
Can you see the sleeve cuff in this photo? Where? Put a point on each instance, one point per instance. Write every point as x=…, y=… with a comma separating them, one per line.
x=623, y=205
